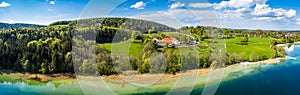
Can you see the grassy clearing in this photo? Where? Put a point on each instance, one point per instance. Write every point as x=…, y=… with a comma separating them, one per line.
x=260, y=46
x=126, y=47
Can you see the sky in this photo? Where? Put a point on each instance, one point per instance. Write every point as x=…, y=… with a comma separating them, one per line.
x=239, y=14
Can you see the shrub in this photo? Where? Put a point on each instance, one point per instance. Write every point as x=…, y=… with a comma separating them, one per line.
x=242, y=43
x=137, y=41
x=254, y=57
x=245, y=39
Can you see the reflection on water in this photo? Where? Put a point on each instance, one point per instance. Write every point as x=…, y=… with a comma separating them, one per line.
x=21, y=88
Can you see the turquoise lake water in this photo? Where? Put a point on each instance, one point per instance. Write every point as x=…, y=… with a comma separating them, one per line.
x=266, y=79
x=280, y=79
x=20, y=88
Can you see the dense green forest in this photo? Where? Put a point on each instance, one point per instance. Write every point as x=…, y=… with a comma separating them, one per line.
x=50, y=49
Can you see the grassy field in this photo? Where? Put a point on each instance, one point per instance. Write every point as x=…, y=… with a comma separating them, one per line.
x=126, y=47
x=261, y=46
x=135, y=49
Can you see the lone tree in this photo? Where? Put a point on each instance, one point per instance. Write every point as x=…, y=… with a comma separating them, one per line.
x=245, y=39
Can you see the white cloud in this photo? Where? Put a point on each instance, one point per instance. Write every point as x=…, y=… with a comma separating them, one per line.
x=242, y=12
x=269, y=18
x=4, y=4
x=200, y=5
x=264, y=11
x=52, y=2
x=238, y=3
x=180, y=17
x=139, y=5
x=176, y=5
x=248, y=14
x=253, y=9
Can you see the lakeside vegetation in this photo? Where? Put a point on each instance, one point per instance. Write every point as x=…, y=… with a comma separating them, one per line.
x=18, y=77
x=255, y=50
x=48, y=50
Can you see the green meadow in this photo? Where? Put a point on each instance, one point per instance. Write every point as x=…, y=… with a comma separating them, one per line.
x=127, y=48
x=260, y=46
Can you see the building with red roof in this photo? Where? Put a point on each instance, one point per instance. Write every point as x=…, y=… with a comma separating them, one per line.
x=171, y=42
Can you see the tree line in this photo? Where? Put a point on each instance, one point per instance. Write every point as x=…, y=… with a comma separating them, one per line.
x=48, y=50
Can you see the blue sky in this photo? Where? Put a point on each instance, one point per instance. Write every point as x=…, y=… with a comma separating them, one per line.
x=243, y=14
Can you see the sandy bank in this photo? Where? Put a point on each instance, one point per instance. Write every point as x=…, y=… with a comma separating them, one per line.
x=164, y=78
x=37, y=77
x=47, y=78
x=284, y=45
x=269, y=61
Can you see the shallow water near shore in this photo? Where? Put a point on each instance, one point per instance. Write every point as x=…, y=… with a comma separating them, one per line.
x=21, y=88
x=280, y=79
x=259, y=79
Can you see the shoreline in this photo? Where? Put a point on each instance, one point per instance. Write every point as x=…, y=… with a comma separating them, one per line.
x=43, y=78
x=286, y=44
x=137, y=78
x=268, y=61
x=200, y=72
x=273, y=60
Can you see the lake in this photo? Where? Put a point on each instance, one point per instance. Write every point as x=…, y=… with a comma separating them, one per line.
x=263, y=79
x=280, y=79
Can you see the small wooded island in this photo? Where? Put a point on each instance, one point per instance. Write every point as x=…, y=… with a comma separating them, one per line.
x=50, y=49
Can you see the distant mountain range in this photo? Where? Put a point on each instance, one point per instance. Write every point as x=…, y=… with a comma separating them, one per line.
x=18, y=25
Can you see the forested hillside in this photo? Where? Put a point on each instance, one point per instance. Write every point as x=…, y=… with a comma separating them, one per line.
x=48, y=50
x=36, y=50
x=18, y=25
x=124, y=23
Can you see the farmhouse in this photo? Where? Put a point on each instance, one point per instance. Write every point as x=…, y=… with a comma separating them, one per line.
x=290, y=35
x=171, y=42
